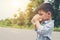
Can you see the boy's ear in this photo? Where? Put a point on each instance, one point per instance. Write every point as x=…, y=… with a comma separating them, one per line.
x=49, y=13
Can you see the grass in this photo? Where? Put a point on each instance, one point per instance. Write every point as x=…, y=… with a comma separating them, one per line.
x=18, y=27
x=24, y=27
x=57, y=29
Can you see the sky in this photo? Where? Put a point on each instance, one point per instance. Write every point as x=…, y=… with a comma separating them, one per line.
x=9, y=7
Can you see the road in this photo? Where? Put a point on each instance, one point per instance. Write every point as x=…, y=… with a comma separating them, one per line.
x=21, y=34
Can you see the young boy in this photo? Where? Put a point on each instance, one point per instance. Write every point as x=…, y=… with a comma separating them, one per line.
x=43, y=21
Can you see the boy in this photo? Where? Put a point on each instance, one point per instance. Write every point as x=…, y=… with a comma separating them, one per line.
x=43, y=21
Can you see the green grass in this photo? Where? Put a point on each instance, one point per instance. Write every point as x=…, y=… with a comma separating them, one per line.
x=57, y=29
x=18, y=27
x=24, y=27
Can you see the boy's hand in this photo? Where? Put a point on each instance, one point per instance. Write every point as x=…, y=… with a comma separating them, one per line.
x=36, y=18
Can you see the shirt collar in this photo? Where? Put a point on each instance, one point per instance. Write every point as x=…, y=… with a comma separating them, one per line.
x=48, y=21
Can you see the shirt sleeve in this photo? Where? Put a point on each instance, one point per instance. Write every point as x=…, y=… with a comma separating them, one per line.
x=46, y=28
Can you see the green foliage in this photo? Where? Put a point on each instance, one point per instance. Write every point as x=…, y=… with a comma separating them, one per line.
x=21, y=18
x=5, y=22
x=56, y=12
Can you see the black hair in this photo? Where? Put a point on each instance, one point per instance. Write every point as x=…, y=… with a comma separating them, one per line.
x=46, y=7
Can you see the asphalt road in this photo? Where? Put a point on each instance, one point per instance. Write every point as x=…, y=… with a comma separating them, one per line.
x=21, y=34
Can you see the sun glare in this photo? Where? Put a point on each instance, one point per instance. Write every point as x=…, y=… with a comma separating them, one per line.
x=9, y=7
x=15, y=3
x=20, y=4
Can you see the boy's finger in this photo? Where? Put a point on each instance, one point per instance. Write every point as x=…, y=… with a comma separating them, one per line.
x=40, y=19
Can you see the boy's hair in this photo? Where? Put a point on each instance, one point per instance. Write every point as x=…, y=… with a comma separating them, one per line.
x=46, y=7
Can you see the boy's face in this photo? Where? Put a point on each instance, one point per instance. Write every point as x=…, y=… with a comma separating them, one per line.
x=44, y=15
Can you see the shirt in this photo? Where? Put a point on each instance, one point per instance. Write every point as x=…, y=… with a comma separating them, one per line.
x=44, y=31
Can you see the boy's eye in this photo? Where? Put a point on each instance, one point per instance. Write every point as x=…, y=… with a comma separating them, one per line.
x=41, y=14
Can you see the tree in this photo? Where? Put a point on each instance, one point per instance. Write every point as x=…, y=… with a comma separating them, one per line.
x=21, y=18
x=56, y=4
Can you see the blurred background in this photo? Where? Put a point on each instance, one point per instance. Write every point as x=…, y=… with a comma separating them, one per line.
x=18, y=13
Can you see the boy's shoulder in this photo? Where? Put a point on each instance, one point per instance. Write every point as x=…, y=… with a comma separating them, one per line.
x=47, y=21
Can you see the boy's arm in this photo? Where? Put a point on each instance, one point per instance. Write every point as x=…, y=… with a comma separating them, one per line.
x=37, y=24
x=43, y=29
